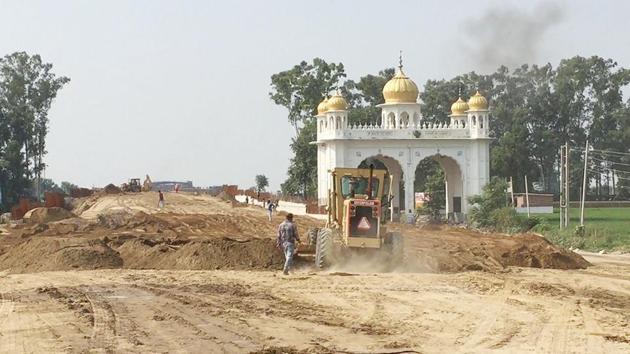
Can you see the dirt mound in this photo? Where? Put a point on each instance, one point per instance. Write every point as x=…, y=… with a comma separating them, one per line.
x=112, y=189
x=44, y=215
x=124, y=218
x=128, y=251
x=447, y=249
x=43, y=254
x=207, y=254
x=538, y=252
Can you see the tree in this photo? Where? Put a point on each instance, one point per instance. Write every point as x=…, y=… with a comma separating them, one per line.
x=300, y=90
x=303, y=87
x=67, y=187
x=27, y=89
x=48, y=185
x=261, y=183
x=302, y=179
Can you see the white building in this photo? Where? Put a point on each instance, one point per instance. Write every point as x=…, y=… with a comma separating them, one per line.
x=402, y=139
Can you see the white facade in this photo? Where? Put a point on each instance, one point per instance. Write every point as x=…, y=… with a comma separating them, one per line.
x=401, y=141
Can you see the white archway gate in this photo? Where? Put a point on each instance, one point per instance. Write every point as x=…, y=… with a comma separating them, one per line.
x=402, y=139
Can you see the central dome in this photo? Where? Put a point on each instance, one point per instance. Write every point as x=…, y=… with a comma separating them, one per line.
x=400, y=89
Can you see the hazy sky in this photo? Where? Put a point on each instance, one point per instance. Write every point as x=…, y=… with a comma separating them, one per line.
x=179, y=89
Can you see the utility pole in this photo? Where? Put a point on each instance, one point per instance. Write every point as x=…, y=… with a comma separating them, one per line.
x=584, y=186
x=527, y=195
x=564, y=186
x=511, y=192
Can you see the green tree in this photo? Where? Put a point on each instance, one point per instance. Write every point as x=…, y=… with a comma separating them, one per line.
x=261, y=183
x=67, y=187
x=48, y=185
x=301, y=88
x=302, y=174
x=27, y=89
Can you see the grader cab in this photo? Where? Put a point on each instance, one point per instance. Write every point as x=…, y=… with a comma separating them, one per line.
x=355, y=219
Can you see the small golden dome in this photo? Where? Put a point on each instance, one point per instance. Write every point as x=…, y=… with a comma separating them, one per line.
x=337, y=103
x=322, y=107
x=477, y=102
x=459, y=107
x=400, y=89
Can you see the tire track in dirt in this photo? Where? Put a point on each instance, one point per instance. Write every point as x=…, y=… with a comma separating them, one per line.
x=191, y=323
x=484, y=333
x=104, y=326
x=7, y=334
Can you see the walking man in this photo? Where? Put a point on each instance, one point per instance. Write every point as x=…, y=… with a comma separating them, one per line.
x=161, y=199
x=270, y=208
x=287, y=238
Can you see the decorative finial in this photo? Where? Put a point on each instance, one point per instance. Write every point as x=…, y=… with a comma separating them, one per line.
x=400, y=66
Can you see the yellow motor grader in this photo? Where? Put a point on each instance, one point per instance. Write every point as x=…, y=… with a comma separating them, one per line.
x=355, y=213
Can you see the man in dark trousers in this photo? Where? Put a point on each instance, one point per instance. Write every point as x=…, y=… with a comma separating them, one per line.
x=161, y=199
x=287, y=239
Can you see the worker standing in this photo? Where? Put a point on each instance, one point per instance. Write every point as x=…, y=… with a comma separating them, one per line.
x=161, y=199
x=270, y=208
x=287, y=238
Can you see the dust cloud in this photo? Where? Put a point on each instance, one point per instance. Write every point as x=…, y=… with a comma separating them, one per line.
x=507, y=35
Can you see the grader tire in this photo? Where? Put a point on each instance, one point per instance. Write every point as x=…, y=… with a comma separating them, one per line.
x=311, y=236
x=324, y=249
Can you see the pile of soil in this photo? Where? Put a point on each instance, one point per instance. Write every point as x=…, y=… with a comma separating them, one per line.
x=112, y=189
x=446, y=249
x=222, y=253
x=44, y=215
x=53, y=254
x=130, y=220
x=44, y=254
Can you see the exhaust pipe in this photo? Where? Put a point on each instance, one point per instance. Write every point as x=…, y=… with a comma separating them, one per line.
x=369, y=188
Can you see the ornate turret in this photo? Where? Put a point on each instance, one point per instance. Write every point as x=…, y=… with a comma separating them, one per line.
x=478, y=102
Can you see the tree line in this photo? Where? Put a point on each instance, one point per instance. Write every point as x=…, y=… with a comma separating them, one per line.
x=28, y=87
x=534, y=110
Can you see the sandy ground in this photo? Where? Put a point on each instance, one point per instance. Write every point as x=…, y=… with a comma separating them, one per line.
x=519, y=310
x=443, y=304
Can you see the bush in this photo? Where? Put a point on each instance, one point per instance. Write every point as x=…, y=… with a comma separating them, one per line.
x=490, y=211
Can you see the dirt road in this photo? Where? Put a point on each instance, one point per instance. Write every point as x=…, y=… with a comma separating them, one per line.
x=517, y=310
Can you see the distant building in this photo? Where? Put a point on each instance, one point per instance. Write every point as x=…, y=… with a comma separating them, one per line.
x=186, y=186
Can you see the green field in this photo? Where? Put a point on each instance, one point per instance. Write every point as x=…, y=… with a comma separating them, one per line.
x=605, y=229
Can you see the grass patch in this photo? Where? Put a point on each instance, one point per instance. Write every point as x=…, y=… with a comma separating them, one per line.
x=605, y=229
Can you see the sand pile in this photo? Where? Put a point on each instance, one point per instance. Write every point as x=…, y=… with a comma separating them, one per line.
x=112, y=189
x=53, y=254
x=45, y=215
x=43, y=254
x=445, y=249
x=208, y=254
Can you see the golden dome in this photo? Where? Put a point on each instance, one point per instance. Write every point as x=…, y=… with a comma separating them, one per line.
x=337, y=103
x=477, y=102
x=400, y=89
x=459, y=107
x=322, y=107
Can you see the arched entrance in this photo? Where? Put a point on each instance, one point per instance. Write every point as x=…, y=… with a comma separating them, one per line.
x=442, y=176
x=395, y=171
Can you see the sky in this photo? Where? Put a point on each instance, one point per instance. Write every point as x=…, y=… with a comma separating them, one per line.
x=179, y=90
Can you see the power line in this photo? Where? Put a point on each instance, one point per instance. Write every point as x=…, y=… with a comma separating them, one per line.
x=603, y=151
x=611, y=162
x=603, y=172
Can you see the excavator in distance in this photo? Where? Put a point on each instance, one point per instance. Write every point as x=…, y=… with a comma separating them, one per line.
x=355, y=214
